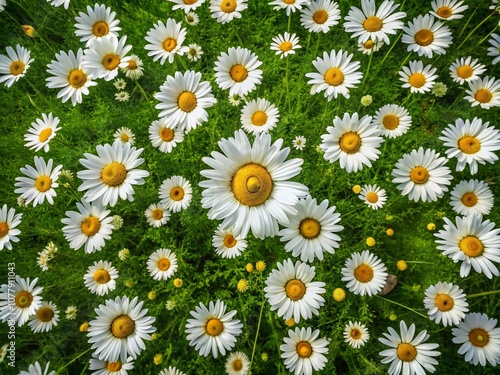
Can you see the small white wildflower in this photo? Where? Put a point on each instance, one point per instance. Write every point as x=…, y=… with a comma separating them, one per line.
x=117, y=222
x=120, y=84
x=122, y=96
x=299, y=142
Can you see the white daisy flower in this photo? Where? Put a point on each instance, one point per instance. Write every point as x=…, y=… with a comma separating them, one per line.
x=124, y=135
x=471, y=197
x=41, y=132
x=36, y=369
x=157, y=215
x=290, y=290
x=15, y=65
x=480, y=339
x=134, y=69
x=165, y=134
x=119, y=329
x=408, y=355
x=446, y=303
x=494, y=50
x=418, y=78
x=110, y=368
x=45, y=318
x=289, y=5
x=494, y=5
x=303, y=351
x=43, y=260
x=186, y=5
x=194, y=52
x=120, y=83
x=364, y=273
x=370, y=46
x=259, y=116
x=9, y=220
x=237, y=363
x=88, y=227
x=448, y=9
x=474, y=242
x=71, y=312
x=27, y=300
x=336, y=74
x=285, y=44
x=299, y=142
x=466, y=70
x=2, y=7
x=162, y=264
x=39, y=183
x=484, y=92
x=112, y=173
x=69, y=75
x=96, y=23
x=165, y=41
x=426, y=36
x=312, y=231
x=213, y=330
x=248, y=186
x=175, y=193
x=227, y=10
x=353, y=141
x=192, y=18
x=100, y=278
x=320, y=16
x=375, y=24
x=58, y=3
x=122, y=96
x=105, y=56
x=392, y=120
x=422, y=175
x=373, y=196
x=184, y=98
x=236, y=99
x=356, y=334
x=227, y=243
x=171, y=371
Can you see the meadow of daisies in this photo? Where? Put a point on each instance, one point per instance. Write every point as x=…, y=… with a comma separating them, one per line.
x=287, y=186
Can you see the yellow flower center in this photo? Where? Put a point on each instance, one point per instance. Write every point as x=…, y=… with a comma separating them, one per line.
x=320, y=16
x=469, y=199
x=310, y=228
x=23, y=299
x=177, y=193
x=166, y=134
x=100, y=28
x=372, y=24
x=471, y=246
x=4, y=229
x=406, y=352
x=45, y=314
x=124, y=138
x=444, y=302
x=45, y=134
x=169, y=44
x=101, y=276
x=77, y=78
x=237, y=364
x=483, y=96
x=229, y=241
x=350, y=142
x=417, y=80
x=363, y=273
x=390, y=121
x=238, y=73
x=444, y=11
x=187, y=101
x=110, y=61
x=304, y=349
x=424, y=37
x=228, y=6
x=90, y=225
x=122, y=326
x=419, y=175
x=295, y=289
x=132, y=65
x=259, y=118
x=469, y=144
x=252, y=184
x=479, y=337
x=286, y=46
x=164, y=264
x=189, y=2
x=113, y=174
x=43, y=183
x=157, y=214
x=214, y=327
x=355, y=334
x=465, y=71
x=334, y=76
x=16, y=67
x=372, y=197
x=113, y=366
x=368, y=44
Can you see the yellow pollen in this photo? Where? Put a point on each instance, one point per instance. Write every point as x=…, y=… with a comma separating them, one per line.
x=122, y=326
x=113, y=174
x=4, y=229
x=16, y=67
x=479, y=337
x=228, y=6
x=406, y=352
x=417, y=80
x=469, y=199
x=237, y=364
x=45, y=314
x=320, y=16
x=124, y=138
x=43, y=183
x=289, y=2
x=286, y=46
x=373, y=24
x=368, y=44
x=100, y=28
x=187, y=101
x=471, y=246
x=113, y=366
x=350, y=142
x=372, y=197
x=304, y=349
x=169, y=44
x=166, y=134
x=355, y=334
x=310, y=228
x=483, y=96
x=363, y=273
x=390, y=121
x=45, y=134
x=110, y=61
x=259, y=118
x=465, y=71
x=101, y=276
x=23, y=299
x=132, y=65
x=77, y=78
x=164, y=264
x=469, y=144
x=157, y=214
x=177, y=193
x=90, y=226
x=295, y=289
x=189, y=2
x=214, y=327
x=424, y=37
x=419, y=175
x=444, y=11
x=334, y=76
x=252, y=184
x=238, y=73
x=444, y=302
x=229, y=241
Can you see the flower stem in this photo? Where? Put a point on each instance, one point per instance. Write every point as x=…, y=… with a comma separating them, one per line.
x=404, y=62
x=257, y=334
x=475, y=28
x=145, y=97
x=487, y=36
x=73, y=360
x=367, y=69
x=483, y=294
x=390, y=49
x=289, y=21
x=467, y=23
x=399, y=304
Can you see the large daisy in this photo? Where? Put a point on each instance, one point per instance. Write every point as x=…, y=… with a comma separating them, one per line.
x=290, y=290
x=466, y=70
x=227, y=243
x=471, y=197
x=352, y=141
x=41, y=132
x=417, y=77
x=448, y=9
x=186, y=5
x=446, y=303
x=484, y=92
x=426, y=36
x=320, y=16
x=248, y=186
x=494, y=50
x=213, y=330
x=336, y=74
x=227, y=10
x=36, y=369
x=58, y=3
x=364, y=273
x=100, y=278
x=27, y=300
x=96, y=23
x=259, y=116
x=312, y=230
x=474, y=242
x=289, y=5
x=422, y=175
x=119, y=329
x=165, y=134
x=393, y=120
x=105, y=56
x=165, y=41
x=112, y=173
x=176, y=193
x=9, y=220
x=15, y=65
x=45, y=318
x=110, y=368
x=184, y=99
x=162, y=264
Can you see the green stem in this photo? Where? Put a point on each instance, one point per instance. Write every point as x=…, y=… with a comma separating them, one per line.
x=367, y=69
x=287, y=86
x=474, y=30
x=418, y=262
x=487, y=36
x=404, y=61
x=257, y=334
x=467, y=23
x=73, y=360
x=406, y=307
x=317, y=44
x=145, y=97
x=483, y=294
x=390, y=49
x=289, y=21
x=308, y=41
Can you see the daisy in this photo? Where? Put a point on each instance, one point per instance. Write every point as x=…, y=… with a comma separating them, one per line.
x=105, y=56
x=312, y=231
x=9, y=220
x=236, y=99
x=70, y=76
x=194, y=52
x=364, y=273
x=480, y=339
x=226, y=10
x=285, y=44
x=370, y=46
x=162, y=264
x=471, y=142
x=290, y=290
x=176, y=193
x=36, y=369
x=119, y=329
x=494, y=5
x=165, y=41
x=165, y=134
x=100, y=278
x=408, y=355
x=237, y=363
x=426, y=36
x=375, y=24
x=471, y=197
x=41, y=132
x=39, y=183
x=418, y=78
x=474, y=242
x=15, y=65
x=157, y=215
x=289, y=5
x=373, y=196
x=227, y=243
x=422, y=175
x=484, y=92
x=110, y=368
x=213, y=330
x=445, y=302
x=184, y=99
x=494, y=50
x=466, y=70
x=186, y=5
x=192, y=19
x=71, y=312
x=356, y=334
x=2, y=7
x=448, y=9
x=259, y=116
x=45, y=318
x=336, y=74
x=303, y=351
x=134, y=69
x=27, y=300
x=248, y=186
x=122, y=96
x=299, y=142
x=392, y=120
x=171, y=371
x=112, y=173
x=120, y=83
x=124, y=135
x=96, y=23
x=88, y=227
x=353, y=141
x=320, y=16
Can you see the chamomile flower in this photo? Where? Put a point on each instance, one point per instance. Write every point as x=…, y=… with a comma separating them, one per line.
x=227, y=243
x=192, y=18
x=165, y=41
x=446, y=303
x=227, y=10
x=259, y=116
x=122, y=96
x=45, y=318
x=162, y=264
x=124, y=135
x=448, y=9
x=320, y=16
x=471, y=197
x=120, y=83
x=494, y=50
x=356, y=334
x=236, y=99
x=194, y=52
x=27, y=300
x=186, y=5
x=105, y=56
x=71, y=312
x=466, y=70
x=176, y=193
x=289, y=5
x=299, y=142
x=165, y=134
x=393, y=120
x=9, y=220
x=171, y=371
x=100, y=278
x=15, y=65
x=370, y=46
x=364, y=273
x=484, y=92
x=58, y=3
x=237, y=363
x=36, y=369
x=373, y=196
x=417, y=77
x=285, y=44
x=157, y=215
x=426, y=36
x=96, y=23
x=110, y=368
x=134, y=68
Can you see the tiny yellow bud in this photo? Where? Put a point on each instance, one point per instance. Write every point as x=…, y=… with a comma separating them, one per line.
x=152, y=295
x=154, y=336
x=370, y=241
x=402, y=265
x=158, y=359
x=290, y=322
x=242, y=285
x=84, y=327
x=393, y=317
x=339, y=294
x=29, y=30
x=178, y=283
x=260, y=265
x=389, y=232
x=264, y=357
x=431, y=226
x=356, y=189
x=249, y=267
x=129, y=283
